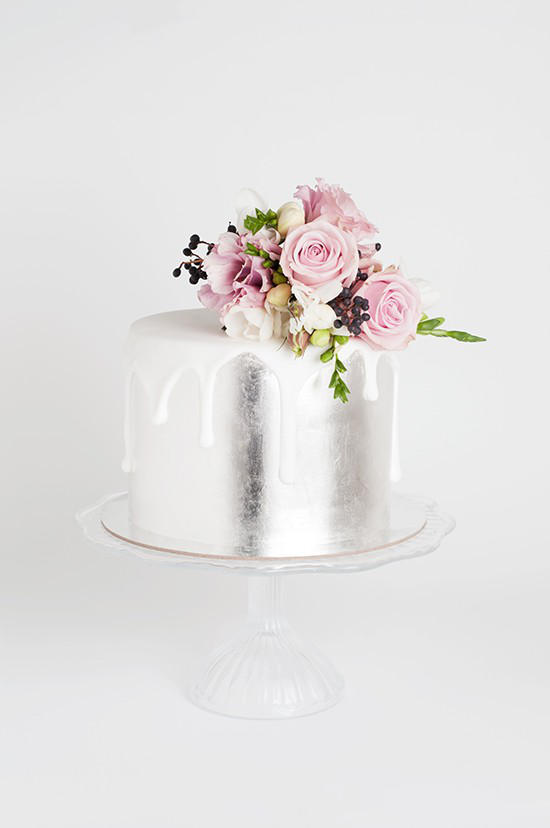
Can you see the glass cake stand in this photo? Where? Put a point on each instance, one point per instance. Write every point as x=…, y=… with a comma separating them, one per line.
x=267, y=671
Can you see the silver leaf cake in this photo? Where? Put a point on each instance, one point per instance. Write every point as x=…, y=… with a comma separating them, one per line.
x=228, y=449
x=265, y=423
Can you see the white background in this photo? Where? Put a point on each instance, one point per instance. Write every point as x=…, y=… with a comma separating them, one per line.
x=127, y=125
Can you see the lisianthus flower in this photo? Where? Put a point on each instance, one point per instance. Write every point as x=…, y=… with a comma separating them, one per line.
x=230, y=269
x=336, y=206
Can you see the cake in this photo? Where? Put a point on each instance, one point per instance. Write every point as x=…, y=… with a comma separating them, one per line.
x=233, y=443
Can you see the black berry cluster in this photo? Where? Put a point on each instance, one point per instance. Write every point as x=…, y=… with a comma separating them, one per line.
x=194, y=262
x=350, y=310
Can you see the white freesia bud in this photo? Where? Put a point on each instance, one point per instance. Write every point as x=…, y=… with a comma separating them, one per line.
x=317, y=316
x=279, y=295
x=290, y=216
x=428, y=294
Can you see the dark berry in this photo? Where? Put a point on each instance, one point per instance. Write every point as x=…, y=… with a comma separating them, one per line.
x=186, y=251
x=365, y=317
x=378, y=246
x=364, y=277
x=176, y=272
x=193, y=245
x=194, y=239
x=357, y=300
x=187, y=265
x=337, y=323
x=346, y=293
x=231, y=228
x=194, y=279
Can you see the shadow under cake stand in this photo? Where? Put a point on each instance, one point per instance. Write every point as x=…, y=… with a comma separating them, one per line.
x=267, y=671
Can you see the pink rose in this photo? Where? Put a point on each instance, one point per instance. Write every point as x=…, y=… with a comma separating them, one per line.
x=394, y=308
x=319, y=259
x=335, y=205
x=233, y=273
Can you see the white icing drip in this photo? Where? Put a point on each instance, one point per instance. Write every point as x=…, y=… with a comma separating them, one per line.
x=128, y=464
x=160, y=407
x=370, y=383
x=207, y=382
x=395, y=463
x=162, y=348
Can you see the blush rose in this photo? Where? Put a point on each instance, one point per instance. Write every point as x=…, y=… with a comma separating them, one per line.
x=319, y=259
x=395, y=308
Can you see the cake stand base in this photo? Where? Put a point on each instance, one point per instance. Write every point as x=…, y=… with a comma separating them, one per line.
x=267, y=672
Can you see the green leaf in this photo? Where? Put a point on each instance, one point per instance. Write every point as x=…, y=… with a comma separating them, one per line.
x=252, y=250
x=326, y=356
x=340, y=366
x=344, y=386
x=462, y=336
x=429, y=324
x=255, y=223
x=334, y=379
x=341, y=340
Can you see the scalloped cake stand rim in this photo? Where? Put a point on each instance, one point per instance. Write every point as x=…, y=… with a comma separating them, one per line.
x=424, y=540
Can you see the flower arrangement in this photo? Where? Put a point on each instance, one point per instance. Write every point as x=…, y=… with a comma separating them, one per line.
x=309, y=275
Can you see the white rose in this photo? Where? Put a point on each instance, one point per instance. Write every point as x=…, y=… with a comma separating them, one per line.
x=248, y=323
x=428, y=294
x=317, y=317
x=290, y=216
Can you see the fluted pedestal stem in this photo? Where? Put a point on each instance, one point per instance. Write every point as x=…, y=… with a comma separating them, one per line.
x=267, y=672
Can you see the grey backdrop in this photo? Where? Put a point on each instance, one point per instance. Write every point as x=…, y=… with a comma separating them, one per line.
x=128, y=125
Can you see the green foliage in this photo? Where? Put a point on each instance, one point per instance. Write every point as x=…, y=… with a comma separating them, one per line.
x=431, y=327
x=255, y=223
x=337, y=384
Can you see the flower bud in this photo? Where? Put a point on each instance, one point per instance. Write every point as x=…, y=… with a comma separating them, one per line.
x=279, y=295
x=298, y=342
x=290, y=216
x=318, y=316
x=320, y=338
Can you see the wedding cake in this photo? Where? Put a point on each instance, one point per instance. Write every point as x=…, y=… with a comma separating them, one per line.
x=233, y=442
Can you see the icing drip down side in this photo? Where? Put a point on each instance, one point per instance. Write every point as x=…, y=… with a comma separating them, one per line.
x=162, y=348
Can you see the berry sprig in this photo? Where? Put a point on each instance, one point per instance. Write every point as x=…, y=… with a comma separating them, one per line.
x=194, y=263
x=351, y=311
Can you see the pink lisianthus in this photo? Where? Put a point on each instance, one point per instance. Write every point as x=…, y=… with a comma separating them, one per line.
x=395, y=309
x=336, y=206
x=231, y=271
x=319, y=259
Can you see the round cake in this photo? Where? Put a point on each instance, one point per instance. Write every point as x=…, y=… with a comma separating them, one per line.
x=265, y=423
x=231, y=449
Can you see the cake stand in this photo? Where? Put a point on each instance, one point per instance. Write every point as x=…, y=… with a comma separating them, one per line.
x=267, y=671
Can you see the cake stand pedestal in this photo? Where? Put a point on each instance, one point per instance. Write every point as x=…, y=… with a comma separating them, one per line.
x=267, y=671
